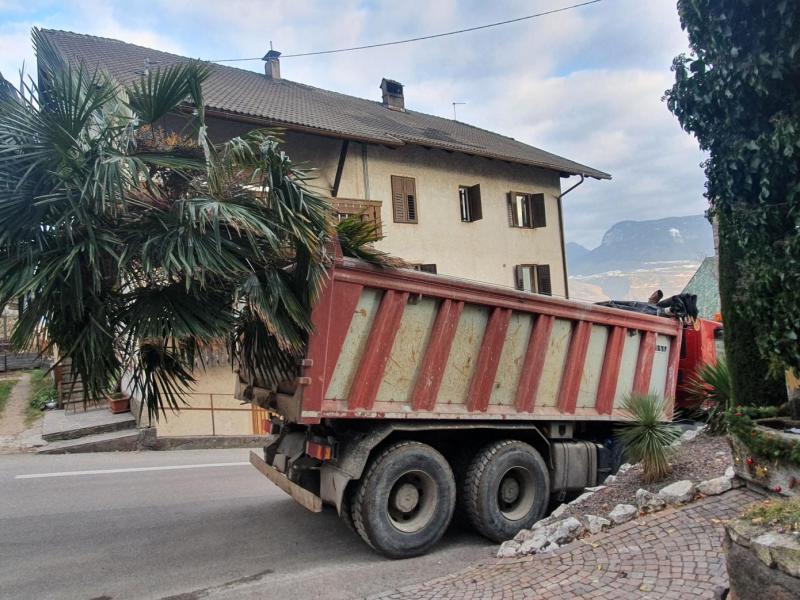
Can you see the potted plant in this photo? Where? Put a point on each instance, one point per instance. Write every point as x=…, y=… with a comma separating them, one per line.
x=118, y=402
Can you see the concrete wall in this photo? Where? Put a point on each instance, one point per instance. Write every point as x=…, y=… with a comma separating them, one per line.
x=485, y=250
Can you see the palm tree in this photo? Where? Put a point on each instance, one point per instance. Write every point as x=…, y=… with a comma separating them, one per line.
x=134, y=247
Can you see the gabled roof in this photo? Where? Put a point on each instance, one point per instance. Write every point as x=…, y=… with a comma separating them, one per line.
x=293, y=105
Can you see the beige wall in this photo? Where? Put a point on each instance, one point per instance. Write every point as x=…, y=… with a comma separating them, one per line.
x=485, y=250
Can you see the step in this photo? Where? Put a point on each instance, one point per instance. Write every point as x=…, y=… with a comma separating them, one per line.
x=58, y=425
x=114, y=441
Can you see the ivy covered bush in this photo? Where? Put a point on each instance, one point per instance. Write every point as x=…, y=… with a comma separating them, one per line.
x=738, y=94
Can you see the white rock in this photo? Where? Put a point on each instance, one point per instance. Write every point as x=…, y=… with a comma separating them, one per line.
x=679, y=492
x=508, y=549
x=730, y=473
x=624, y=468
x=610, y=480
x=523, y=535
x=622, y=513
x=689, y=435
x=559, y=511
x=566, y=531
x=595, y=488
x=714, y=487
x=581, y=498
x=595, y=524
x=533, y=545
x=648, y=501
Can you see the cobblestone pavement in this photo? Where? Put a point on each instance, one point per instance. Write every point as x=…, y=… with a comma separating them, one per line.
x=673, y=554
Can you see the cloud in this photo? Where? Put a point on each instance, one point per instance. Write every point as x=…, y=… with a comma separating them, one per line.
x=586, y=84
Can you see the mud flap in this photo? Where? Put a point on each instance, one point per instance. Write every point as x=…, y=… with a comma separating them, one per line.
x=305, y=498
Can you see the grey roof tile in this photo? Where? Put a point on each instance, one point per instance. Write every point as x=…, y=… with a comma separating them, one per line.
x=287, y=103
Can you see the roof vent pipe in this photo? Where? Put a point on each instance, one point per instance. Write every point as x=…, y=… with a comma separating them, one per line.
x=392, y=92
x=272, y=64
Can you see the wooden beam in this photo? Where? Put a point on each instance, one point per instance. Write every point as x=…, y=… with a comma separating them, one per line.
x=340, y=168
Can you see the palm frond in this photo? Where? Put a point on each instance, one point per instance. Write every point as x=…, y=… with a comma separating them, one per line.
x=357, y=237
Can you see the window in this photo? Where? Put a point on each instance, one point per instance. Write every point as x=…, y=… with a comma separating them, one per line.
x=425, y=268
x=367, y=210
x=470, y=200
x=404, y=199
x=533, y=278
x=526, y=210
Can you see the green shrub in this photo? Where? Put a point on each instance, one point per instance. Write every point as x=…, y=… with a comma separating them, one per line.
x=5, y=391
x=647, y=438
x=42, y=391
x=709, y=391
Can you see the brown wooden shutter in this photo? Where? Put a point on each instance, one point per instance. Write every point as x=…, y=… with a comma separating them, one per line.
x=475, y=208
x=539, y=216
x=410, y=191
x=512, y=213
x=398, y=201
x=543, y=280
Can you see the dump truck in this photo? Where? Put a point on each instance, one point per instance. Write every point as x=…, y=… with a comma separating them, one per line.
x=420, y=396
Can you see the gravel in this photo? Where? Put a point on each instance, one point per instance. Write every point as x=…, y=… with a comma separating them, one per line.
x=704, y=457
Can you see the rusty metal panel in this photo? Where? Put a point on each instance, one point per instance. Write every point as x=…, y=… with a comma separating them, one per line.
x=627, y=369
x=504, y=389
x=593, y=366
x=554, y=362
x=658, y=377
x=408, y=352
x=463, y=354
x=354, y=344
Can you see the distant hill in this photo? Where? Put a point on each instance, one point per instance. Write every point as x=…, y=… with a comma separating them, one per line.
x=637, y=257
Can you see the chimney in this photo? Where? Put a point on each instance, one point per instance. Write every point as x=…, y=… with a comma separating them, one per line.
x=393, y=95
x=272, y=64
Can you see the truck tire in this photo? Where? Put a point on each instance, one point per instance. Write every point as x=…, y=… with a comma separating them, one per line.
x=346, y=515
x=405, y=500
x=506, y=489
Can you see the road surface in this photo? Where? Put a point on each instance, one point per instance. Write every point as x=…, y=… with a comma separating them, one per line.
x=184, y=525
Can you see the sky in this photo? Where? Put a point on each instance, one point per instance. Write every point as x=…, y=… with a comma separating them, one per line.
x=586, y=84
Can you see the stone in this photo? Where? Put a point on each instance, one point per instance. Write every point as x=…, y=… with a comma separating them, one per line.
x=750, y=577
x=508, y=549
x=610, y=480
x=623, y=513
x=648, y=501
x=565, y=531
x=624, y=468
x=535, y=544
x=559, y=511
x=595, y=524
x=523, y=535
x=689, y=435
x=714, y=487
x=595, y=488
x=730, y=473
x=581, y=498
x=679, y=492
x=779, y=550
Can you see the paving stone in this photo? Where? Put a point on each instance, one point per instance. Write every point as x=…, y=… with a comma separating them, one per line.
x=679, y=492
x=623, y=513
x=677, y=553
x=714, y=487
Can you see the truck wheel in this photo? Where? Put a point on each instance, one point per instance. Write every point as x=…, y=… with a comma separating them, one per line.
x=405, y=500
x=347, y=508
x=506, y=488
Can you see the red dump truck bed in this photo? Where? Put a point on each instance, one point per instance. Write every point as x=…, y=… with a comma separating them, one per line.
x=419, y=391
x=403, y=344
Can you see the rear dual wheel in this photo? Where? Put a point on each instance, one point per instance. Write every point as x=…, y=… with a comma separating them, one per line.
x=505, y=489
x=405, y=500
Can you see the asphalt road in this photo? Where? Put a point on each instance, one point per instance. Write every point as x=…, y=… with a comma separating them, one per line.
x=221, y=532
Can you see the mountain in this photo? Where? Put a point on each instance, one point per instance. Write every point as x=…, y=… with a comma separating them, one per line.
x=637, y=257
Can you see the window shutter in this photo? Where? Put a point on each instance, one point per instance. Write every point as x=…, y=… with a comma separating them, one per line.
x=512, y=213
x=475, y=209
x=543, y=280
x=398, y=201
x=518, y=277
x=539, y=216
x=410, y=191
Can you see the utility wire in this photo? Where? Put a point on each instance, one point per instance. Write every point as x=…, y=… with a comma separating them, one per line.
x=421, y=38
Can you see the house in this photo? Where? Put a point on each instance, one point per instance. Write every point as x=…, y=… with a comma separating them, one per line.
x=449, y=197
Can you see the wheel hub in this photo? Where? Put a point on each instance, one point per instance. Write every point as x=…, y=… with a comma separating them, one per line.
x=406, y=498
x=509, y=490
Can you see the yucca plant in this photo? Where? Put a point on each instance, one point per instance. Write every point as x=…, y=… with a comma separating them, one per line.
x=647, y=438
x=709, y=391
x=134, y=248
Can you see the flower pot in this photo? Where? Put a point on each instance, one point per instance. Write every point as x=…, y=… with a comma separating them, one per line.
x=119, y=403
x=772, y=475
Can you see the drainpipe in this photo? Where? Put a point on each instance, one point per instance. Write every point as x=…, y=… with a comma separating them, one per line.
x=561, y=233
